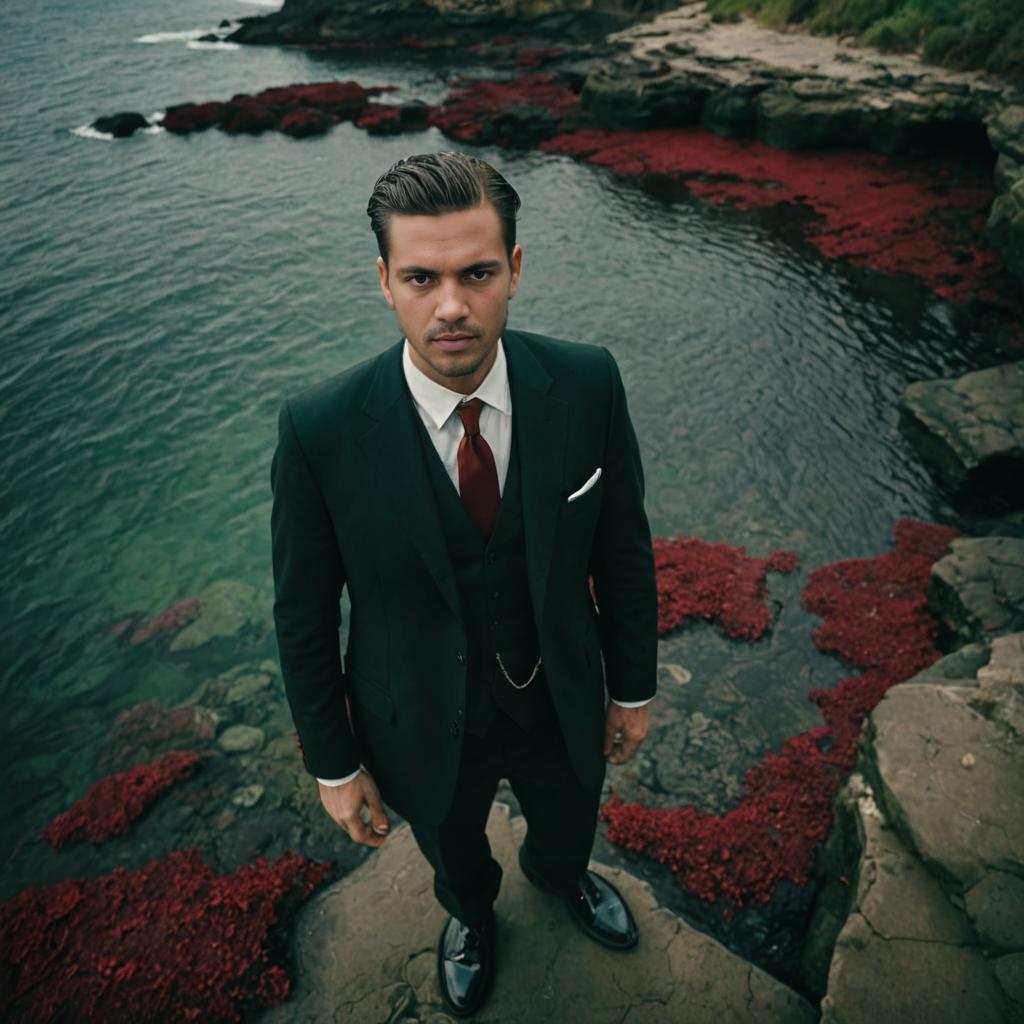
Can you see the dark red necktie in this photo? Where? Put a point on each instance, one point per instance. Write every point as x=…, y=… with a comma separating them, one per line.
x=478, y=478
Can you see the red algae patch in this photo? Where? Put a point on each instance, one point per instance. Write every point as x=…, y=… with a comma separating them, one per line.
x=520, y=111
x=169, y=941
x=168, y=621
x=300, y=109
x=870, y=209
x=876, y=617
x=717, y=582
x=112, y=804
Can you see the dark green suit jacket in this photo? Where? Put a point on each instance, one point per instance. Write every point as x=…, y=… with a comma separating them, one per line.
x=353, y=506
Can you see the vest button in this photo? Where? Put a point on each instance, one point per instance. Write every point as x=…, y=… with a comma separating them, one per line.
x=454, y=728
x=460, y=657
x=496, y=595
x=492, y=556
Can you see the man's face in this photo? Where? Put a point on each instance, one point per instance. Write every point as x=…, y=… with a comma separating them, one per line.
x=449, y=283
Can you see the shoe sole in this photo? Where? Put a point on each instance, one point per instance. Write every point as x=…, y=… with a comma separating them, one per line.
x=544, y=887
x=484, y=991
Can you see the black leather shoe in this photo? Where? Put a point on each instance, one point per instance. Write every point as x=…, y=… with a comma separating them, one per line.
x=465, y=965
x=595, y=905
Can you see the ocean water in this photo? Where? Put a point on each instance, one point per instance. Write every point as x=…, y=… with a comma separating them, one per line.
x=161, y=295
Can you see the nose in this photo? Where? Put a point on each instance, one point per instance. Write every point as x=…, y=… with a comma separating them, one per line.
x=451, y=302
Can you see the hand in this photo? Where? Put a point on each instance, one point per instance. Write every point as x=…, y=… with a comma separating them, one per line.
x=624, y=731
x=345, y=804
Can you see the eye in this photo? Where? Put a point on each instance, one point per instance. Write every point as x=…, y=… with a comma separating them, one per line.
x=480, y=279
x=415, y=278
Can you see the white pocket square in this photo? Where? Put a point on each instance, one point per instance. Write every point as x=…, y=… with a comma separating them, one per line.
x=586, y=487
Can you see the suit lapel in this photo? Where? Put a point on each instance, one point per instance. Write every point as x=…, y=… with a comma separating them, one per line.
x=393, y=451
x=539, y=420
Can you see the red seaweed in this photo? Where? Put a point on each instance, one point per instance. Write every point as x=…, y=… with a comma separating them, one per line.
x=876, y=617
x=111, y=805
x=169, y=941
x=717, y=582
x=169, y=620
x=869, y=208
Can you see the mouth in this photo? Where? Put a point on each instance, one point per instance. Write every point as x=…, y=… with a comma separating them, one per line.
x=453, y=342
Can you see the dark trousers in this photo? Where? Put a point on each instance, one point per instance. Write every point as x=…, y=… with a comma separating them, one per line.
x=561, y=816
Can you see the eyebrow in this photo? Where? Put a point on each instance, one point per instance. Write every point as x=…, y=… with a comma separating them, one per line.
x=479, y=265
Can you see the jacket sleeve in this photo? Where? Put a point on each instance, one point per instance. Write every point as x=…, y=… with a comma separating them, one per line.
x=622, y=561
x=308, y=579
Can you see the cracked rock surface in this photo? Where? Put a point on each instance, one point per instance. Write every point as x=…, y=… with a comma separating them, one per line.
x=935, y=926
x=365, y=951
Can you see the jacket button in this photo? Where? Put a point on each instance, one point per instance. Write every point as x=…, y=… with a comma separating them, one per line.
x=454, y=728
x=460, y=657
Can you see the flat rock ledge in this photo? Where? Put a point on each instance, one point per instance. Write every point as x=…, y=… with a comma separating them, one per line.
x=969, y=430
x=366, y=951
x=793, y=90
x=934, y=931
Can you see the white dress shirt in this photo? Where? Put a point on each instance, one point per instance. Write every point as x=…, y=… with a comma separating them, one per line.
x=436, y=405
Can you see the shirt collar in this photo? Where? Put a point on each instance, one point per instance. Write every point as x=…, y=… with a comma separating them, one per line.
x=440, y=402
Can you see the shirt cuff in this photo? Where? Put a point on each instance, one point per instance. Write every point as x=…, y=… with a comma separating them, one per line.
x=341, y=782
x=632, y=703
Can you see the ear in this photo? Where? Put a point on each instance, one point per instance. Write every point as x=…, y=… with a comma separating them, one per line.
x=382, y=271
x=517, y=266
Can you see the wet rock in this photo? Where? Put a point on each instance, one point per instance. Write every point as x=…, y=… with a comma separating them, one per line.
x=240, y=739
x=970, y=430
x=247, y=796
x=978, y=588
x=548, y=971
x=905, y=952
x=1005, y=227
x=168, y=621
x=225, y=608
x=302, y=123
x=145, y=730
x=307, y=108
x=246, y=687
x=437, y=25
x=122, y=125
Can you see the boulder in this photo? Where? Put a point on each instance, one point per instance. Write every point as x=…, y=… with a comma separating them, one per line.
x=977, y=590
x=122, y=125
x=905, y=953
x=365, y=949
x=969, y=430
x=240, y=739
x=950, y=778
x=225, y=608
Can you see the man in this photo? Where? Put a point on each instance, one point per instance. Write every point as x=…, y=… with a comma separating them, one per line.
x=465, y=484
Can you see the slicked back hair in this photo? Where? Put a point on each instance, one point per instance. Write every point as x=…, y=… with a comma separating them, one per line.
x=435, y=183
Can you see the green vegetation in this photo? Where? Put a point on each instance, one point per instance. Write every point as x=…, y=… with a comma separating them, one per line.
x=978, y=34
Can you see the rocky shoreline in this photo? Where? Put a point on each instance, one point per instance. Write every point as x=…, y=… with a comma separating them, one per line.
x=670, y=65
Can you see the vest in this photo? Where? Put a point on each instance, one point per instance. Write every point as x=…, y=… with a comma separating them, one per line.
x=494, y=595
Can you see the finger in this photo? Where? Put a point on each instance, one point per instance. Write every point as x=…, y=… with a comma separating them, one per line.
x=378, y=819
x=360, y=832
x=629, y=748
